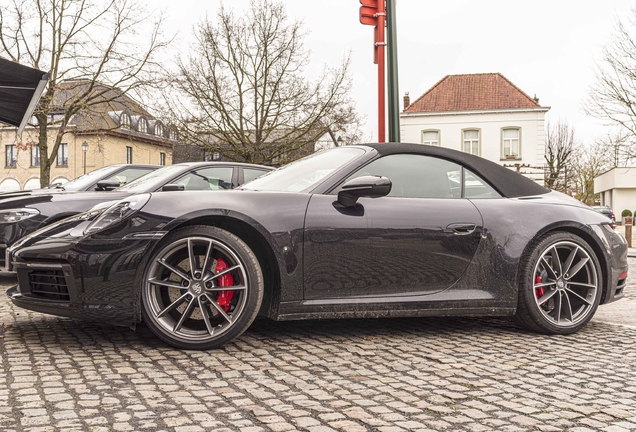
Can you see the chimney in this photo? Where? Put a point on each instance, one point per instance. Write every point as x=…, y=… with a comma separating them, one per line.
x=535, y=99
x=407, y=100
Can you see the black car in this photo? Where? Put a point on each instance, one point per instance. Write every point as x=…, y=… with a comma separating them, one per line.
x=606, y=211
x=102, y=179
x=381, y=230
x=23, y=214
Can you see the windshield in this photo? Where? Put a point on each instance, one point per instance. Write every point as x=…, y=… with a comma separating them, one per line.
x=82, y=182
x=153, y=180
x=302, y=175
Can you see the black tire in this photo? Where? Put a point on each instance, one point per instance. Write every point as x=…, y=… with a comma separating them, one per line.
x=551, y=299
x=190, y=309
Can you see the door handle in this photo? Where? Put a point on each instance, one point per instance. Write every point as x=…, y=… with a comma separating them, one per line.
x=461, y=228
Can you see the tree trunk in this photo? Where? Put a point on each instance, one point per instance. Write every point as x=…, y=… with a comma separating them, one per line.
x=45, y=172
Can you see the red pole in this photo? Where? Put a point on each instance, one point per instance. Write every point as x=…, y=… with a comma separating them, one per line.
x=380, y=52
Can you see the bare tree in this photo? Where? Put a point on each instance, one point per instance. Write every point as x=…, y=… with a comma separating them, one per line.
x=618, y=149
x=559, y=149
x=244, y=93
x=587, y=164
x=89, y=47
x=613, y=97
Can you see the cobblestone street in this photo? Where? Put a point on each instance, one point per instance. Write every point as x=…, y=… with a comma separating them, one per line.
x=341, y=375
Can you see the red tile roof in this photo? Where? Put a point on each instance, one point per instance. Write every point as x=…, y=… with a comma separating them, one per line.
x=471, y=92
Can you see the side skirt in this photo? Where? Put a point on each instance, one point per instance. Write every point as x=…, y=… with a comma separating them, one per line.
x=304, y=310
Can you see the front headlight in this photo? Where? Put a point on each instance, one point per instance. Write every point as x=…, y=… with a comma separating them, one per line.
x=17, y=215
x=118, y=212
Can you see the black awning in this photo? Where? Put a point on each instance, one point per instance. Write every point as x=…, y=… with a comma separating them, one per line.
x=20, y=90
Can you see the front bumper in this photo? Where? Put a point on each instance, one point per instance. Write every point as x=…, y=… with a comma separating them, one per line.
x=84, y=279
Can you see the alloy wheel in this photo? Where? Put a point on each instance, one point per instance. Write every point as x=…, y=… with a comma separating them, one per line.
x=566, y=284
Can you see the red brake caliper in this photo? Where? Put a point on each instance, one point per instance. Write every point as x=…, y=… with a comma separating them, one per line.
x=225, y=297
x=539, y=291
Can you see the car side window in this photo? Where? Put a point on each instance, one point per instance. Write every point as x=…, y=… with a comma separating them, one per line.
x=475, y=187
x=207, y=179
x=250, y=174
x=129, y=174
x=417, y=176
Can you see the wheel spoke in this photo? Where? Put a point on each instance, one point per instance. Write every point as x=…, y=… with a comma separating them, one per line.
x=555, y=259
x=207, y=256
x=547, y=296
x=185, y=315
x=223, y=273
x=568, y=307
x=568, y=262
x=206, y=316
x=578, y=266
x=172, y=305
x=229, y=288
x=581, y=284
x=544, y=284
x=557, y=307
x=219, y=309
x=192, y=257
x=174, y=270
x=167, y=283
x=549, y=268
x=579, y=296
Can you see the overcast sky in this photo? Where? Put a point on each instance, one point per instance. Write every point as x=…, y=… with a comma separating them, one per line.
x=547, y=48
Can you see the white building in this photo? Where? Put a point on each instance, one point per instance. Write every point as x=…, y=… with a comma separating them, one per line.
x=617, y=188
x=483, y=114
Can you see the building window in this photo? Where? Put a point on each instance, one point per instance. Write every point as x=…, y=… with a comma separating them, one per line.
x=35, y=156
x=11, y=157
x=129, y=155
x=162, y=159
x=173, y=134
x=209, y=156
x=124, y=121
x=142, y=126
x=158, y=129
x=471, y=141
x=430, y=137
x=511, y=143
x=62, y=155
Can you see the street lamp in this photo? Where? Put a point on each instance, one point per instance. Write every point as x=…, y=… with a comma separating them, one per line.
x=84, y=149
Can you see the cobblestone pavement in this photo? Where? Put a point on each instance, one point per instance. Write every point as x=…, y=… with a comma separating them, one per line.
x=349, y=375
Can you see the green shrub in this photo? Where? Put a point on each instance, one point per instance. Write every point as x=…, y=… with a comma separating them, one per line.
x=626, y=213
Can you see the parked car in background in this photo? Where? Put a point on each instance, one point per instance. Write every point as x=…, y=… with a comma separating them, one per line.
x=606, y=211
x=378, y=230
x=102, y=179
x=21, y=215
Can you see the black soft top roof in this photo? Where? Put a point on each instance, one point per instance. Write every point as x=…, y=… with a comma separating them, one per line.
x=507, y=182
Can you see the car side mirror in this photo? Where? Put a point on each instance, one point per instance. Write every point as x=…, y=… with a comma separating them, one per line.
x=172, y=187
x=365, y=186
x=107, y=185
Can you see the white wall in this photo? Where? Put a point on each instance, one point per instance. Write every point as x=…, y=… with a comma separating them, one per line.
x=623, y=199
x=615, y=178
x=450, y=124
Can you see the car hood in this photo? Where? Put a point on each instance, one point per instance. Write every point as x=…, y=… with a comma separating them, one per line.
x=19, y=201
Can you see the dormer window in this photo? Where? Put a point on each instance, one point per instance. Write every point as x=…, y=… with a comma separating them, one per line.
x=158, y=129
x=173, y=134
x=124, y=121
x=142, y=126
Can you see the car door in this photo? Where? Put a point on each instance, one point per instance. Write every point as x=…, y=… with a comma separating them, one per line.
x=417, y=240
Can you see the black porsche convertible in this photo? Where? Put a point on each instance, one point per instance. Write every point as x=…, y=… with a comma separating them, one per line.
x=381, y=230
